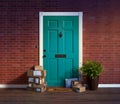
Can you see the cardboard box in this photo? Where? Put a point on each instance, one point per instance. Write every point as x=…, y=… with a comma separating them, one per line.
x=40, y=73
x=39, y=80
x=44, y=73
x=79, y=89
x=30, y=73
x=75, y=83
x=31, y=80
x=78, y=85
x=40, y=85
x=43, y=89
x=38, y=68
x=40, y=88
x=68, y=82
x=36, y=73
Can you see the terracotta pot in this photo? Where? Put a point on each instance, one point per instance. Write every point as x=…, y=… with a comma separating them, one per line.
x=93, y=83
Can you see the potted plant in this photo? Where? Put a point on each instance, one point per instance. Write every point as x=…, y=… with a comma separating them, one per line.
x=92, y=70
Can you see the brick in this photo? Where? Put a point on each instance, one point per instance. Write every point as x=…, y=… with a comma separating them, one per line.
x=19, y=35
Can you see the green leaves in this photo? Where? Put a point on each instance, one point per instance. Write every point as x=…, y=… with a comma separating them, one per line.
x=91, y=69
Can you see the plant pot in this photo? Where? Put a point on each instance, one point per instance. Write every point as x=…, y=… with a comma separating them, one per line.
x=93, y=83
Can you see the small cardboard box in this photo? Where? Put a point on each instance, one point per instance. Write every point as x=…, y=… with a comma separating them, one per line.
x=78, y=85
x=44, y=73
x=39, y=86
x=79, y=89
x=75, y=83
x=30, y=73
x=39, y=80
x=31, y=80
x=68, y=82
x=43, y=89
x=38, y=68
x=37, y=73
x=40, y=73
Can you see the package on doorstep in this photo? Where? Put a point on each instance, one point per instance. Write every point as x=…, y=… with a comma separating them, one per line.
x=78, y=86
x=36, y=79
x=43, y=89
x=39, y=80
x=37, y=73
x=30, y=73
x=40, y=88
x=76, y=83
x=68, y=82
x=38, y=68
x=79, y=89
x=30, y=79
x=41, y=73
x=40, y=85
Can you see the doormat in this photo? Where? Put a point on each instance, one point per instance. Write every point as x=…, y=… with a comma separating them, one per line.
x=57, y=89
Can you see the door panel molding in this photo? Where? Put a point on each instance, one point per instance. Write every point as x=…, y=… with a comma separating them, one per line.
x=41, y=14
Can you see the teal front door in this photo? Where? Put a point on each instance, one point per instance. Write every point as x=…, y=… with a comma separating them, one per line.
x=60, y=48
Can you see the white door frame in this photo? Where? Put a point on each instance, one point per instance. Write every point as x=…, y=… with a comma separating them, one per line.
x=41, y=14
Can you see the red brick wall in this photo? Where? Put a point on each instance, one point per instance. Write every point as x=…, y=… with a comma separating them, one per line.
x=102, y=37
x=19, y=35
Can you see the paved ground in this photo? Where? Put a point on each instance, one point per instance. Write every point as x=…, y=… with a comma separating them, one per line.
x=23, y=96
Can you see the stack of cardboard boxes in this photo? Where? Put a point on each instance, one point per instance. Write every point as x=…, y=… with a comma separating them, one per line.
x=78, y=86
x=36, y=79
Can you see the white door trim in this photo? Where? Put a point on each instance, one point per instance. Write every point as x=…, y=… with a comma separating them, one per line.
x=41, y=14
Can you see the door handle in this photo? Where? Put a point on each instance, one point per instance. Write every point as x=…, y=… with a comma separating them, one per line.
x=44, y=56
